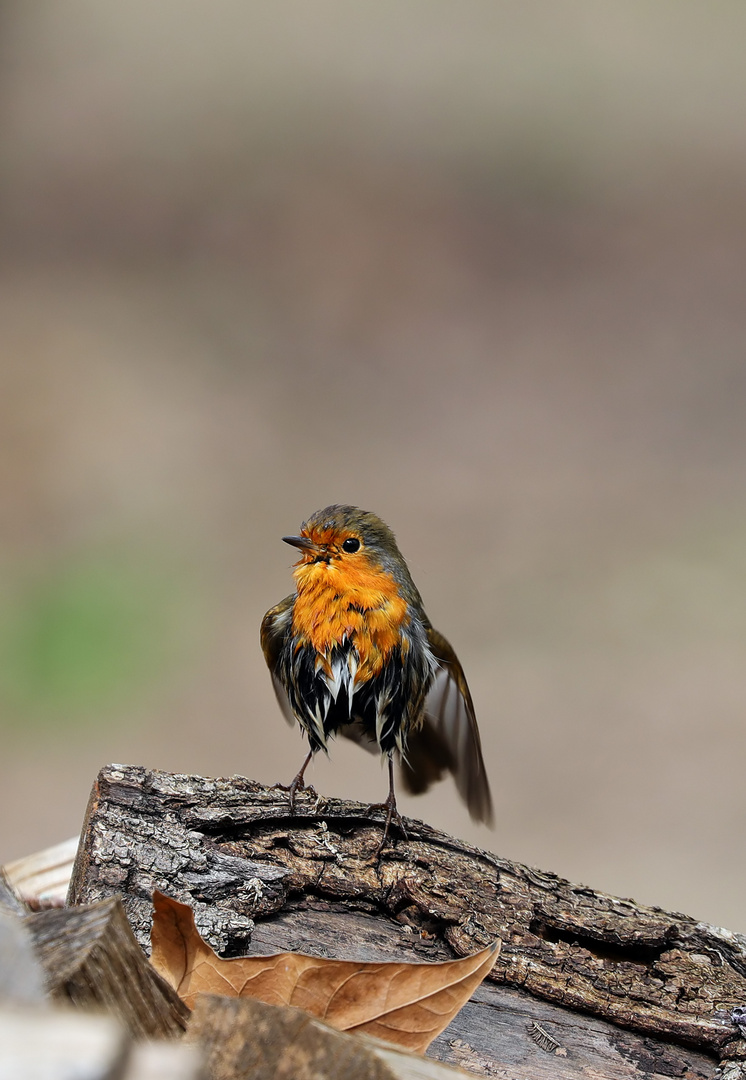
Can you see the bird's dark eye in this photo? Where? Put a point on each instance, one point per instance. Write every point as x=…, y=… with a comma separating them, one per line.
x=350, y=544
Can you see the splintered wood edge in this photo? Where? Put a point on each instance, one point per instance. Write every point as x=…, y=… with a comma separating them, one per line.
x=92, y=958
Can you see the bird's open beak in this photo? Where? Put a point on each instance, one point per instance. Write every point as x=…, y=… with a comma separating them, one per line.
x=302, y=542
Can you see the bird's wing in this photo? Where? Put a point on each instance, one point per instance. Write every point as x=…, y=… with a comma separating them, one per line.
x=275, y=627
x=449, y=738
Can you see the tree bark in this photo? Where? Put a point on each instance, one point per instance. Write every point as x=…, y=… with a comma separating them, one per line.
x=585, y=981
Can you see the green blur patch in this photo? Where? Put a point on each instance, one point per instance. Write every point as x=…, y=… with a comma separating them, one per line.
x=88, y=637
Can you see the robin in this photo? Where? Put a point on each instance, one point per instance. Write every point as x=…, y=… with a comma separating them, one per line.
x=352, y=651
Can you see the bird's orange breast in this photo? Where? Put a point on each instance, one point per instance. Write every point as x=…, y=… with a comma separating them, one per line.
x=359, y=603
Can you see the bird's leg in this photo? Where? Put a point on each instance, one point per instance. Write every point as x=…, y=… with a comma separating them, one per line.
x=390, y=807
x=297, y=783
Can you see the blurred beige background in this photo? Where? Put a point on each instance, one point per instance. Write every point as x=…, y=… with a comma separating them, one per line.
x=480, y=268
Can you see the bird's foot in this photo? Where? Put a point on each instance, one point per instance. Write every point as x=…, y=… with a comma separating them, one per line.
x=297, y=784
x=392, y=815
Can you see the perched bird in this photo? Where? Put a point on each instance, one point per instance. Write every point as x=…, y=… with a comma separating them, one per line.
x=352, y=651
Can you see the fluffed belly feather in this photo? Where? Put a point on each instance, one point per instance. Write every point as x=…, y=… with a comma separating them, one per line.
x=333, y=691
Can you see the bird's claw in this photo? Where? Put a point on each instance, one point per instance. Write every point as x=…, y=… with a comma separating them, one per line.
x=392, y=815
x=296, y=785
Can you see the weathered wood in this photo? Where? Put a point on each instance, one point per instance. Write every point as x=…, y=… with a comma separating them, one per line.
x=247, y=1040
x=42, y=879
x=155, y=1059
x=10, y=901
x=21, y=976
x=231, y=848
x=59, y=1044
x=86, y=957
x=92, y=960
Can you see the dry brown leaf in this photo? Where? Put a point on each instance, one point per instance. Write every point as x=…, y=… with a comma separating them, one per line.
x=407, y=1004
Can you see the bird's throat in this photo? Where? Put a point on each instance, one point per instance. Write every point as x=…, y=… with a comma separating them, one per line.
x=359, y=603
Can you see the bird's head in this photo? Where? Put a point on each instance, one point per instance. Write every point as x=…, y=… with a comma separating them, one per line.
x=350, y=541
